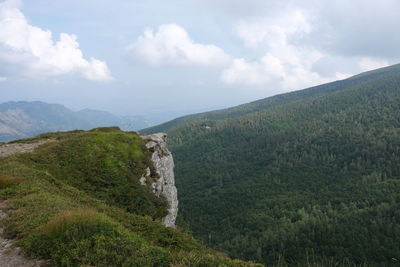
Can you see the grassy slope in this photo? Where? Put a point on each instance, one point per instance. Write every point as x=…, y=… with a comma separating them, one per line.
x=78, y=202
x=315, y=176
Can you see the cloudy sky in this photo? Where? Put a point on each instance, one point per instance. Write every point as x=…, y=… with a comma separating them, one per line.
x=183, y=56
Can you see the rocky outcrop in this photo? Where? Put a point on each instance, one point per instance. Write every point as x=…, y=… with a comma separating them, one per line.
x=164, y=166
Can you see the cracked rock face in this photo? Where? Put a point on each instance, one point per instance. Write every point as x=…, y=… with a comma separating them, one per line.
x=164, y=165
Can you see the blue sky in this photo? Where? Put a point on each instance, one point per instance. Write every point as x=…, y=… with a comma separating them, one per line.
x=183, y=56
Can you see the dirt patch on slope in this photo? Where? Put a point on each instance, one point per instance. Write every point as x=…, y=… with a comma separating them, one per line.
x=14, y=148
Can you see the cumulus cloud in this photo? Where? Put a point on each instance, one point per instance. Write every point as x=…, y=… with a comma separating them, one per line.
x=34, y=50
x=348, y=28
x=275, y=72
x=171, y=45
x=273, y=30
x=284, y=64
x=295, y=40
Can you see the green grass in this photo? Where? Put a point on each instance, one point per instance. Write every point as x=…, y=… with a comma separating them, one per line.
x=87, y=237
x=102, y=164
x=78, y=202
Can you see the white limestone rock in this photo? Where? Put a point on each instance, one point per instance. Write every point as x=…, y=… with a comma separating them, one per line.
x=143, y=179
x=164, y=166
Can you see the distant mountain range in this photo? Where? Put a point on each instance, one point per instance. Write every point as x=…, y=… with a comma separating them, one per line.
x=25, y=119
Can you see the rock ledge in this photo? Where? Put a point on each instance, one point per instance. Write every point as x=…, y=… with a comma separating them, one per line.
x=164, y=165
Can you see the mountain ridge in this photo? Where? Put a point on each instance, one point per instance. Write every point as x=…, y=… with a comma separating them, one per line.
x=22, y=119
x=268, y=102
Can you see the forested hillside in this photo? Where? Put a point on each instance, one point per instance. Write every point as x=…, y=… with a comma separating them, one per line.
x=76, y=200
x=307, y=177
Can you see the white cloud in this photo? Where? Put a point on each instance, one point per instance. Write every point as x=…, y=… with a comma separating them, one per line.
x=34, y=50
x=284, y=65
x=171, y=45
x=271, y=30
x=368, y=63
x=3, y=79
x=275, y=72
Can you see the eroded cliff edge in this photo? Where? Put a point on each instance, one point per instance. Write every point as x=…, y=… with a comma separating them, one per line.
x=164, y=165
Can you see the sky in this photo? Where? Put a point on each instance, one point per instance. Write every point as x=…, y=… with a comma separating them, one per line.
x=177, y=57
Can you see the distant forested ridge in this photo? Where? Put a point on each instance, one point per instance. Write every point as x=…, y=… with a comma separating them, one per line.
x=306, y=177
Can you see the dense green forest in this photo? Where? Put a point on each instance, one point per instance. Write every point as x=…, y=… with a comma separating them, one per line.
x=306, y=177
x=77, y=201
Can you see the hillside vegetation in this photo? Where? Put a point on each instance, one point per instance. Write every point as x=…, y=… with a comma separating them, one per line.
x=77, y=201
x=307, y=177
